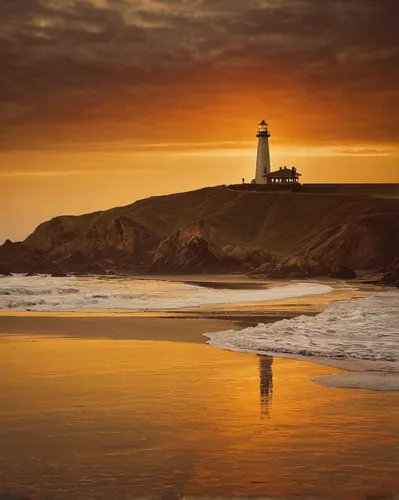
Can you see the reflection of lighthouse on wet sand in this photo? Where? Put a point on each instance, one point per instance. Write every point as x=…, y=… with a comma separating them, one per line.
x=266, y=385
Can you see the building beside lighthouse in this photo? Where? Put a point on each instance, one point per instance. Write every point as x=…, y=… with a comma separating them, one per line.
x=285, y=179
x=283, y=175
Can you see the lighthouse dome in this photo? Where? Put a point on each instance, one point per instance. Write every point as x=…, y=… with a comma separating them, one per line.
x=263, y=129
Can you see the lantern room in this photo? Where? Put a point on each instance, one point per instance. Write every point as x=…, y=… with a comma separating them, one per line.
x=263, y=129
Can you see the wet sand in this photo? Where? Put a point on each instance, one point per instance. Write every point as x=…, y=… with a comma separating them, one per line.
x=87, y=418
x=134, y=405
x=184, y=325
x=113, y=327
x=369, y=375
x=190, y=324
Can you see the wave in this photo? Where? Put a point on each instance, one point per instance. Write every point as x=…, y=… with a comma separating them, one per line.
x=33, y=291
x=69, y=294
x=359, y=329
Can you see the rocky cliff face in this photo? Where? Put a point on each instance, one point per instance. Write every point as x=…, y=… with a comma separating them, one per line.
x=218, y=230
x=120, y=242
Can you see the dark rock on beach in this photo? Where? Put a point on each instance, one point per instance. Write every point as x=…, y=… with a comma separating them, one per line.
x=343, y=272
x=392, y=276
x=58, y=273
x=291, y=268
x=4, y=271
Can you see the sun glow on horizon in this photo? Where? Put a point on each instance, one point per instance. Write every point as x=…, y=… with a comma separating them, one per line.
x=38, y=185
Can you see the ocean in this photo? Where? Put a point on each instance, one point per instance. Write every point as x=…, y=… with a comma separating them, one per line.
x=360, y=329
x=45, y=293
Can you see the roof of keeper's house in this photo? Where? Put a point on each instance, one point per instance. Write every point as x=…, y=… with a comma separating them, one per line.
x=284, y=173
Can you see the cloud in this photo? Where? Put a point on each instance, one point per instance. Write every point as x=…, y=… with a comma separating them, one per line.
x=107, y=70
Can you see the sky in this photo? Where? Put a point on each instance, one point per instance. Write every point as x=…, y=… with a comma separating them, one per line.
x=103, y=102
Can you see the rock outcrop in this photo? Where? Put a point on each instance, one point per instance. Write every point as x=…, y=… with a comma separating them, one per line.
x=292, y=268
x=278, y=235
x=343, y=272
x=107, y=244
x=358, y=240
x=392, y=276
x=192, y=250
x=250, y=257
x=190, y=254
x=4, y=271
x=58, y=274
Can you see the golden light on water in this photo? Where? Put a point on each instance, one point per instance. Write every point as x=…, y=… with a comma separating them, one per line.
x=194, y=419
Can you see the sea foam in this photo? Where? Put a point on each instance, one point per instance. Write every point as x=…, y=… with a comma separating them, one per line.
x=358, y=329
x=43, y=293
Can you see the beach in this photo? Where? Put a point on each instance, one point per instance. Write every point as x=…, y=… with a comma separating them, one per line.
x=183, y=325
x=110, y=327
x=123, y=405
x=99, y=419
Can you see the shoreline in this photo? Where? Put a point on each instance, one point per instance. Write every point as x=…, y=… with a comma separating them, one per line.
x=351, y=374
x=192, y=324
x=111, y=328
x=283, y=308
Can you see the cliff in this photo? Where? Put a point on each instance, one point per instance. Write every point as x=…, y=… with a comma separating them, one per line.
x=218, y=230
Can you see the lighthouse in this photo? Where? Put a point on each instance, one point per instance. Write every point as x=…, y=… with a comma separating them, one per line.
x=263, y=156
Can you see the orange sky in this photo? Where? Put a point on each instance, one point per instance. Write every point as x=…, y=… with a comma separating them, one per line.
x=104, y=101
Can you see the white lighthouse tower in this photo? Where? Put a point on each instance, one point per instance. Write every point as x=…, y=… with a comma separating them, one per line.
x=263, y=157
